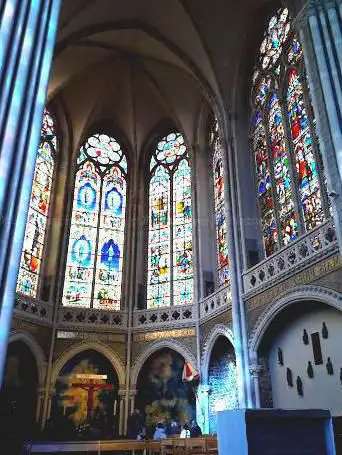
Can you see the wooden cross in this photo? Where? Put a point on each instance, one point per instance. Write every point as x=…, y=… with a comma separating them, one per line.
x=89, y=383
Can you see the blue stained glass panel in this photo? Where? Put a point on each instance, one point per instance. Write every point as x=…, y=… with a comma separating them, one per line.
x=95, y=261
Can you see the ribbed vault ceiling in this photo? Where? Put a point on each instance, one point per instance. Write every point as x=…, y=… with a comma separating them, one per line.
x=137, y=62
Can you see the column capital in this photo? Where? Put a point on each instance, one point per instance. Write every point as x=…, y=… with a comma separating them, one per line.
x=311, y=8
x=132, y=393
x=121, y=393
x=255, y=370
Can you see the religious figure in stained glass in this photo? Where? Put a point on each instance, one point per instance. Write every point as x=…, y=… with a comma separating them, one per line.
x=93, y=276
x=170, y=263
x=219, y=208
x=289, y=169
x=37, y=219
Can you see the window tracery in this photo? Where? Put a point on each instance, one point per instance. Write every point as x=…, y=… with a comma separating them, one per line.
x=170, y=262
x=37, y=219
x=95, y=256
x=289, y=170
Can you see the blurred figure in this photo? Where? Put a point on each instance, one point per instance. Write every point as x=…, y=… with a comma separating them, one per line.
x=195, y=430
x=159, y=433
x=142, y=434
x=185, y=433
x=135, y=422
x=173, y=428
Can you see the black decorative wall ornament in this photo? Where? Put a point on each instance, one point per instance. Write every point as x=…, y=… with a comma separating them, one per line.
x=289, y=377
x=305, y=337
x=330, y=368
x=325, y=332
x=280, y=357
x=341, y=376
x=299, y=386
x=310, y=370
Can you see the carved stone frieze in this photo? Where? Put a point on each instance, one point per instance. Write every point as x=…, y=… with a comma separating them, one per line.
x=309, y=275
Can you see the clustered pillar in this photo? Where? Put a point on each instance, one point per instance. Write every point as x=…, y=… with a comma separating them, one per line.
x=319, y=25
x=27, y=38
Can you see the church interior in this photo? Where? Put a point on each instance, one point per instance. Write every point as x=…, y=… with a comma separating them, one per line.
x=170, y=205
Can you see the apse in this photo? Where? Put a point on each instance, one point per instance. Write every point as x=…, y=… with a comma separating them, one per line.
x=302, y=348
x=161, y=392
x=87, y=396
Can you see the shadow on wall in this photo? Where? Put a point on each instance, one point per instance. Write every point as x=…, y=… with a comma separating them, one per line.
x=222, y=380
x=161, y=392
x=18, y=396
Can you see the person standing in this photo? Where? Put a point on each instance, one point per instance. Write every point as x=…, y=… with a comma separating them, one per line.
x=185, y=433
x=159, y=433
x=195, y=430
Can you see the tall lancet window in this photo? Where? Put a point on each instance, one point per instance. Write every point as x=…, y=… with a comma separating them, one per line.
x=37, y=219
x=170, y=264
x=219, y=208
x=93, y=276
x=289, y=169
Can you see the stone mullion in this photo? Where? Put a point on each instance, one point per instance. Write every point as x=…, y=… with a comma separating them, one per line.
x=292, y=167
x=171, y=237
x=96, y=242
x=272, y=175
x=19, y=137
x=212, y=165
x=315, y=147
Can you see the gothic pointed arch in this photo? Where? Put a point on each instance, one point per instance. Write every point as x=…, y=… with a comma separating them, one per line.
x=95, y=258
x=304, y=293
x=37, y=223
x=170, y=257
x=291, y=187
x=107, y=352
x=216, y=157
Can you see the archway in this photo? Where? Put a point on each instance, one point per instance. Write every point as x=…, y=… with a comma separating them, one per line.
x=162, y=395
x=86, y=398
x=222, y=379
x=301, y=356
x=18, y=396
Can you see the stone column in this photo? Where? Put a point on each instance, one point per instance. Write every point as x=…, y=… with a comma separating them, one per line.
x=46, y=413
x=122, y=395
x=235, y=288
x=203, y=412
x=27, y=37
x=255, y=371
x=319, y=28
x=132, y=394
x=40, y=400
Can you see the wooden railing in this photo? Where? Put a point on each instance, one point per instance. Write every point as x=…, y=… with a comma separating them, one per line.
x=206, y=445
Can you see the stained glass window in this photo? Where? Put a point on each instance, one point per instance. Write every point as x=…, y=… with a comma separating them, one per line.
x=170, y=263
x=289, y=170
x=37, y=219
x=219, y=208
x=94, y=267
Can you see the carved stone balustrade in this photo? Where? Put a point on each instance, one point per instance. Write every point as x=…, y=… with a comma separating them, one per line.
x=308, y=249
x=33, y=309
x=215, y=303
x=91, y=319
x=174, y=316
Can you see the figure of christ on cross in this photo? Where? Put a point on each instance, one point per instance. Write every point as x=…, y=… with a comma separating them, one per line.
x=90, y=383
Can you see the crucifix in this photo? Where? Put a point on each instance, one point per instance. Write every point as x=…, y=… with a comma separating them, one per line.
x=91, y=384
